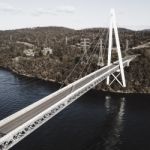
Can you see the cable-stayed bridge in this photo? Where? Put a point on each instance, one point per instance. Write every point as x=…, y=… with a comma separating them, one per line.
x=20, y=124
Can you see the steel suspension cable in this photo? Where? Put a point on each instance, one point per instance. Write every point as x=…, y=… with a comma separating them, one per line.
x=92, y=54
x=84, y=55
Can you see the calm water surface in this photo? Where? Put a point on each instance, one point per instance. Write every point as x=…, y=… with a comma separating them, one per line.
x=96, y=121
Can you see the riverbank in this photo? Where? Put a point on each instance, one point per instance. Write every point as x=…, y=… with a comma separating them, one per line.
x=101, y=87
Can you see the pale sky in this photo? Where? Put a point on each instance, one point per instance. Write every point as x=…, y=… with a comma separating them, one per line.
x=77, y=14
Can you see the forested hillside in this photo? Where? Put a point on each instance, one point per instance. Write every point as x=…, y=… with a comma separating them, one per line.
x=50, y=53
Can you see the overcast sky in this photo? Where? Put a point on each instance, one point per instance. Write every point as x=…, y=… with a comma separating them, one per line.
x=77, y=14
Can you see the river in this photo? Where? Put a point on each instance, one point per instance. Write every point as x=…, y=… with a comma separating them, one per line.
x=96, y=121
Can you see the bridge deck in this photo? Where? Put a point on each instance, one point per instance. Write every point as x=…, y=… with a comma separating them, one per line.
x=14, y=121
x=33, y=112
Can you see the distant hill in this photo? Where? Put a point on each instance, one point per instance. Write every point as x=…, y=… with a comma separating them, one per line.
x=50, y=28
x=146, y=30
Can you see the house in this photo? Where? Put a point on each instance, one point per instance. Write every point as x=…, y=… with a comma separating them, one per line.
x=47, y=51
x=29, y=52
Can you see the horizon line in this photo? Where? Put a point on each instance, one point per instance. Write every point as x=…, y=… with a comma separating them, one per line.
x=81, y=28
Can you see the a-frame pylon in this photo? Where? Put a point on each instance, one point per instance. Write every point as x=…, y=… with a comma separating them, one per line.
x=112, y=27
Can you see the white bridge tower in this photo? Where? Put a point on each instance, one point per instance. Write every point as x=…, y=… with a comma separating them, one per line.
x=112, y=27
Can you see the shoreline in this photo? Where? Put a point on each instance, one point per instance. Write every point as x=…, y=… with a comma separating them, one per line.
x=60, y=83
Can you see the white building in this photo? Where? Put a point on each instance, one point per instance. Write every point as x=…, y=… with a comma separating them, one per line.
x=29, y=52
x=47, y=51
